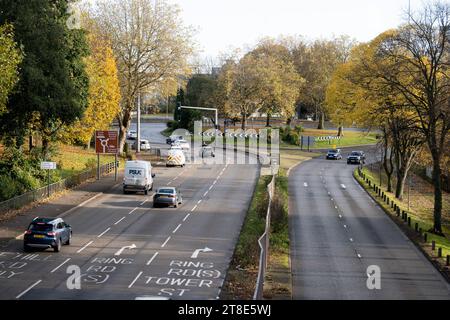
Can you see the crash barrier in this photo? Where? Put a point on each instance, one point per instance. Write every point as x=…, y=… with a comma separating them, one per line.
x=327, y=138
x=403, y=215
x=44, y=192
x=263, y=243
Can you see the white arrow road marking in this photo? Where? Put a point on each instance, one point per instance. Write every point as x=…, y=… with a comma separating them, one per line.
x=135, y=279
x=306, y=185
x=119, y=252
x=343, y=186
x=29, y=288
x=85, y=246
x=196, y=252
x=60, y=265
x=152, y=258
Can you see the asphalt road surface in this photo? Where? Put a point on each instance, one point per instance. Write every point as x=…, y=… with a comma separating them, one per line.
x=126, y=249
x=337, y=231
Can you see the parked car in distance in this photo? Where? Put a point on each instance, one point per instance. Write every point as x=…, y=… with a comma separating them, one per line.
x=138, y=176
x=173, y=139
x=334, y=154
x=145, y=145
x=168, y=196
x=175, y=157
x=132, y=134
x=44, y=233
x=356, y=157
x=207, y=152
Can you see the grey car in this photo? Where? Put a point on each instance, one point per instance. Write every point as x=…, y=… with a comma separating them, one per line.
x=167, y=196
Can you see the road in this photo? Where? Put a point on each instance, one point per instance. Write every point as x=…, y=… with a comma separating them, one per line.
x=337, y=231
x=126, y=249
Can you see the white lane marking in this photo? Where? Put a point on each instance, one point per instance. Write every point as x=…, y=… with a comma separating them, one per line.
x=193, y=209
x=335, y=207
x=214, y=182
x=135, y=279
x=351, y=239
x=345, y=226
x=168, y=183
x=152, y=258
x=211, y=187
x=187, y=216
x=85, y=246
x=329, y=193
x=306, y=185
x=29, y=288
x=175, y=178
x=176, y=229
x=165, y=242
x=359, y=256
x=199, y=201
x=144, y=202
x=101, y=234
x=340, y=216
x=132, y=210
x=205, y=194
x=118, y=221
x=332, y=199
x=343, y=186
x=60, y=265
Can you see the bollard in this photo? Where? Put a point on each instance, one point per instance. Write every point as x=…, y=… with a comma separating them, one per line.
x=448, y=260
x=420, y=230
x=409, y=221
x=416, y=227
x=433, y=245
x=387, y=201
x=398, y=212
x=425, y=237
x=439, y=252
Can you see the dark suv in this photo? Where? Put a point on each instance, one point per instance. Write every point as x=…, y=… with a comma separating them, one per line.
x=357, y=157
x=46, y=233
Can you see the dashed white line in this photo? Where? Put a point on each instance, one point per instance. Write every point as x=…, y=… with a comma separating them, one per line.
x=345, y=226
x=351, y=239
x=85, y=246
x=135, y=279
x=199, y=201
x=193, y=209
x=176, y=229
x=165, y=242
x=359, y=256
x=214, y=182
x=211, y=187
x=343, y=186
x=132, y=211
x=340, y=216
x=305, y=185
x=152, y=258
x=205, y=194
x=101, y=234
x=60, y=265
x=144, y=202
x=118, y=221
x=29, y=288
x=187, y=216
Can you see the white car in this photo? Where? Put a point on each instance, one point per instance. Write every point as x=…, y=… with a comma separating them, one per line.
x=175, y=157
x=145, y=145
x=132, y=135
x=183, y=144
x=138, y=176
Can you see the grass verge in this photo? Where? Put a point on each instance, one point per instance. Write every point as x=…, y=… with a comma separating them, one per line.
x=416, y=237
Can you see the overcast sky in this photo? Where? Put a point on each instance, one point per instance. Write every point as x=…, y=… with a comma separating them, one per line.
x=225, y=24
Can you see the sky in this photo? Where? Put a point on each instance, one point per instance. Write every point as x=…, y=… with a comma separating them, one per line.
x=226, y=24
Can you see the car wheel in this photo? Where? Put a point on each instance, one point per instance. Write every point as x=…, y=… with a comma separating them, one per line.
x=175, y=205
x=57, y=247
x=69, y=239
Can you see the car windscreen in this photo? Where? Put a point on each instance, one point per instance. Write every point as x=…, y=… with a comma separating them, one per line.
x=333, y=151
x=135, y=172
x=356, y=154
x=41, y=227
x=167, y=191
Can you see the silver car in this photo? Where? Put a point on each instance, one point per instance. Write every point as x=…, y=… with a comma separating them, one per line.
x=167, y=196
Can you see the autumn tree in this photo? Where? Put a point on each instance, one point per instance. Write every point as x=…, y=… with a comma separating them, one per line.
x=104, y=90
x=10, y=58
x=150, y=44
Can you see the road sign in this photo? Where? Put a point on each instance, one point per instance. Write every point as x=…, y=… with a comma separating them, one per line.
x=48, y=165
x=106, y=142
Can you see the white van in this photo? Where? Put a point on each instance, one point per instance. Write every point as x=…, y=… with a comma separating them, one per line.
x=138, y=176
x=175, y=157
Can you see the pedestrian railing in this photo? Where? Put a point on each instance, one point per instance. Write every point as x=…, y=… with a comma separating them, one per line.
x=263, y=243
x=43, y=192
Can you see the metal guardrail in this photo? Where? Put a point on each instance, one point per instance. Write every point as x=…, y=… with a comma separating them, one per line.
x=43, y=192
x=263, y=243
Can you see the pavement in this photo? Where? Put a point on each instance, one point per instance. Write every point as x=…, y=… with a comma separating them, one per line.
x=337, y=231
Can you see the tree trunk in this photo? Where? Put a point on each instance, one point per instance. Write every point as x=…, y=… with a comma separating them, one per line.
x=45, y=145
x=340, y=131
x=321, y=125
x=437, y=213
x=124, y=124
x=268, y=120
x=244, y=122
x=401, y=178
x=30, y=142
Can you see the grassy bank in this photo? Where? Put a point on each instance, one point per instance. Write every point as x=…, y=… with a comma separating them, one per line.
x=424, y=221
